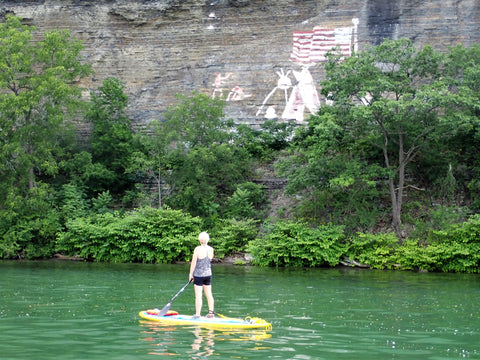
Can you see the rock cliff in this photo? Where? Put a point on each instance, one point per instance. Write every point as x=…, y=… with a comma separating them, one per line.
x=263, y=56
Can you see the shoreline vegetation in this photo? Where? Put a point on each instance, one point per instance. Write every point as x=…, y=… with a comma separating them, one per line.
x=168, y=236
x=384, y=175
x=137, y=238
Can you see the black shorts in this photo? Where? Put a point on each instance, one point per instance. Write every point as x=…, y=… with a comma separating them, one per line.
x=202, y=280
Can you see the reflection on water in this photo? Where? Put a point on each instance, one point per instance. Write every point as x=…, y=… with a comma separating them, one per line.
x=203, y=341
x=204, y=344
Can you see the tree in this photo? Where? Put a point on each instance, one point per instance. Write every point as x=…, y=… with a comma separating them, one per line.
x=38, y=95
x=202, y=164
x=197, y=120
x=331, y=180
x=151, y=159
x=37, y=92
x=112, y=138
x=463, y=70
x=265, y=143
x=390, y=102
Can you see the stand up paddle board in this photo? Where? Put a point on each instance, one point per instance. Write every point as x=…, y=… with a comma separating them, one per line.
x=217, y=322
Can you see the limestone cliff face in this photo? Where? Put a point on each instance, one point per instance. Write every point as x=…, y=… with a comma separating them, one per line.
x=263, y=56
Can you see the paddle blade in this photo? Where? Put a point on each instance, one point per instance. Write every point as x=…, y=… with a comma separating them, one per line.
x=165, y=309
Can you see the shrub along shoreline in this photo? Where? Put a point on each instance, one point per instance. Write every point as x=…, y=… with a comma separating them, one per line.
x=151, y=235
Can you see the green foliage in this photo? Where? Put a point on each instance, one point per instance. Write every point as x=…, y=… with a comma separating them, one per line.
x=376, y=250
x=247, y=201
x=203, y=165
x=28, y=225
x=426, y=219
x=197, y=120
x=74, y=203
x=474, y=188
x=336, y=185
x=391, y=105
x=457, y=249
x=112, y=139
x=150, y=159
x=230, y=236
x=265, y=143
x=403, y=118
x=84, y=173
x=286, y=243
x=414, y=256
x=446, y=186
x=102, y=203
x=147, y=235
x=37, y=95
x=199, y=185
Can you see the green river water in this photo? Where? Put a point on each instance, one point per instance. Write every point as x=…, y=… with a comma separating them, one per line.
x=71, y=310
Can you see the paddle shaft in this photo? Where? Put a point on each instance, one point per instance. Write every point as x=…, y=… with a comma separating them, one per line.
x=167, y=307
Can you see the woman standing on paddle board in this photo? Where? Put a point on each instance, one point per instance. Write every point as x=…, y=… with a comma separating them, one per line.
x=201, y=274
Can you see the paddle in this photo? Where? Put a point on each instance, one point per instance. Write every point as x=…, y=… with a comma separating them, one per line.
x=167, y=307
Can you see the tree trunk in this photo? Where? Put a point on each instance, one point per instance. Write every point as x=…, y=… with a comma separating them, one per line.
x=396, y=193
x=31, y=172
x=397, y=222
x=31, y=178
x=159, y=189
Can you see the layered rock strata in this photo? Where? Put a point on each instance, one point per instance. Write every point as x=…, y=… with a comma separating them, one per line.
x=263, y=56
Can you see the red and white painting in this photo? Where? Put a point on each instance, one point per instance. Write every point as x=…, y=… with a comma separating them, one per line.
x=309, y=48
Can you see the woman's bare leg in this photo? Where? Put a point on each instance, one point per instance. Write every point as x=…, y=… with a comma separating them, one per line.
x=208, y=294
x=198, y=300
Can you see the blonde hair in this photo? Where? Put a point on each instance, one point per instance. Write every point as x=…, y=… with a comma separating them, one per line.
x=203, y=237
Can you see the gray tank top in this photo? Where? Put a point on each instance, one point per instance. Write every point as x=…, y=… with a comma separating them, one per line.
x=203, y=267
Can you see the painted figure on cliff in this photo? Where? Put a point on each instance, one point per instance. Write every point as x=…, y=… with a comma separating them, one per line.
x=304, y=96
x=219, y=84
x=310, y=47
x=237, y=94
x=283, y=84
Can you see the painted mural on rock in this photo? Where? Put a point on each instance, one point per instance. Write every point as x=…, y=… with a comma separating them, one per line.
x=223, y=88
x=309, y=49
x=240, y=51
x=296, y=85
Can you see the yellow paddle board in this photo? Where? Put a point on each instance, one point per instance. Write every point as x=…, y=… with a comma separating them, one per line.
x=217, y=322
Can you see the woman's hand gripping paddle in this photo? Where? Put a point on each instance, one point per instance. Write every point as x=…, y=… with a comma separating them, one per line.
x=167, y=307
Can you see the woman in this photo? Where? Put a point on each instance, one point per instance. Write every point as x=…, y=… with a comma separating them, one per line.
x=201, y=274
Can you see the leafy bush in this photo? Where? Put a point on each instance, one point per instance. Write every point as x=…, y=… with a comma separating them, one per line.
x=28, y=225
x=265, y=143
x=376, y=250
x=295, y=244
x=457, y=249
x=73, y=201
x=426, y=219
x=246, y=201
x=230, y=236
x=147, y=235
x=412, y=255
